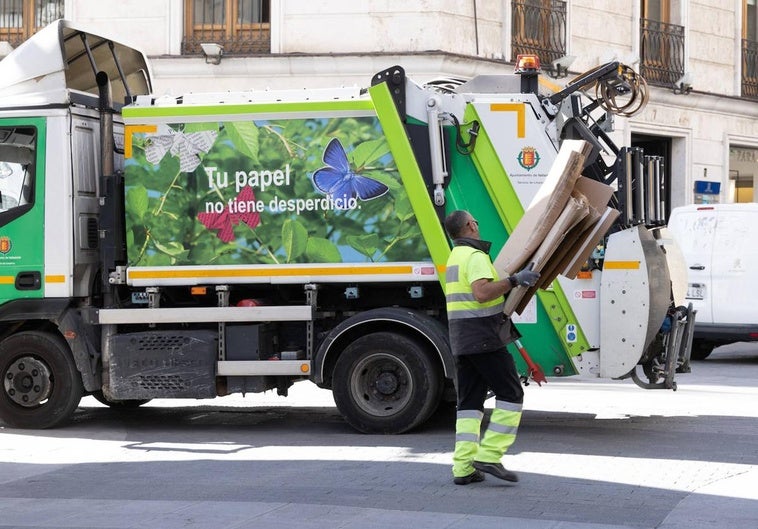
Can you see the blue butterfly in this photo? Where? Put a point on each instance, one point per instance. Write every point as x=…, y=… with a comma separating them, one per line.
x=337, y=180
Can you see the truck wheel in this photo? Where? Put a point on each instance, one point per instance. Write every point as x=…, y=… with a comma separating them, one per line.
x=701, y=350
x=41, y=385
x=386, y=383
x=119, y=404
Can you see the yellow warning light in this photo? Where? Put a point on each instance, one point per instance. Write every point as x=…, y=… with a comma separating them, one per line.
x=305, y=368
x=199, y=291
x=526, y=63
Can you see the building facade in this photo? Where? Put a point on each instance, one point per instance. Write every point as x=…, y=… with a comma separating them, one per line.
x=699, y=57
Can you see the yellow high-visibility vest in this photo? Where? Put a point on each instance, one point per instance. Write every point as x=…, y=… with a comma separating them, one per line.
x=458, y=294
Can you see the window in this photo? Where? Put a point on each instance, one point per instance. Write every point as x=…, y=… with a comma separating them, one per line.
x=750, y=20
x=17, y=156
x=658, y=10
x=240, y=26
x=20, y=19
x=661, y=44
x=539, y=27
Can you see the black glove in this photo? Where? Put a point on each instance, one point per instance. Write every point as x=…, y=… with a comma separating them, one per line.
x=525, y=278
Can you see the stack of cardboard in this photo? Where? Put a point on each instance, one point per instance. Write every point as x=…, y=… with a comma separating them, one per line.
x=560, y=228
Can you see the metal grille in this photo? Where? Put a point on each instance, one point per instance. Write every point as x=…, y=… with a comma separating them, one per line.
x=539, y=27
x=93, y=234
x=240, y=26
x=162, y=342
x=661, y=52
x=161, y=382
x=20, y=19
x=750, y=69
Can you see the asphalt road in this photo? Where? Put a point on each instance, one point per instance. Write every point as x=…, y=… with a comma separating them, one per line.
x=589, y=453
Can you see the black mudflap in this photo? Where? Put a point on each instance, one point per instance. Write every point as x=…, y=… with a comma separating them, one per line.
x=162, y=364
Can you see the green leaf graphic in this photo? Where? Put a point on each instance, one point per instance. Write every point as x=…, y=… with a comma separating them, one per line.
x=365, y=244
x=321, y=250
x=244, y=136
x=137, y=201
x=294, y=239
x=369, y=151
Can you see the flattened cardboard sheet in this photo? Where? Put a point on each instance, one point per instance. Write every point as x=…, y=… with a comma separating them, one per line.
x=574, y=211
x=561, y=226
x=545, y=208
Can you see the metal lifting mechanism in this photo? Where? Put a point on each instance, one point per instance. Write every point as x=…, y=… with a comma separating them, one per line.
x=439, y=171
x=676, y=341
x=641, y=191
x=641, y=199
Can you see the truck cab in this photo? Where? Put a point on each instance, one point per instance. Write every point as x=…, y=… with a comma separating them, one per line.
x=50, y=168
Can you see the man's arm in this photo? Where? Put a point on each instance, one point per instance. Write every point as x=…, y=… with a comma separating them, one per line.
x=486, y=289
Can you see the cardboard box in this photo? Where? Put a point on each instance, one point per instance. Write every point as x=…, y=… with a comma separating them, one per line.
x=573, y=212
x=560, y=228
x=545, y=208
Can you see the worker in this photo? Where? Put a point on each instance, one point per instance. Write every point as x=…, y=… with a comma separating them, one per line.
x=479, y=333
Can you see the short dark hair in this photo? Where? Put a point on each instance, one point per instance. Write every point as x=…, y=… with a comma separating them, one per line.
x=455, y=222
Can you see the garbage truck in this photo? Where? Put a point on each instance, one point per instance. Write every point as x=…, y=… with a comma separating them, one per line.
x=205, y=244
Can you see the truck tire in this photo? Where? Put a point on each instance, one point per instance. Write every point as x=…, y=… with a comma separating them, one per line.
x=41, y=385
x=386, y=383
x=119, y=404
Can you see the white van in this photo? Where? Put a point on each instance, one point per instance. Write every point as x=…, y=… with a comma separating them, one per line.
x=720, y=247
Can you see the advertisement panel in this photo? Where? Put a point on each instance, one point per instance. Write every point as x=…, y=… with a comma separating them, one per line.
x=269, y=191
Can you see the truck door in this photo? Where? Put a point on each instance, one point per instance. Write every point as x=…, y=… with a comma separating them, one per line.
x=734, y=265
x=694, y=229
x=21, y=209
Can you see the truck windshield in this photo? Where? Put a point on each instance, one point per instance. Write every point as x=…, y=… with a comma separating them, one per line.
x=16, y=171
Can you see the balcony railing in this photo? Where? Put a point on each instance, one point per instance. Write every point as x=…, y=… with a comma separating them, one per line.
x=661, y=52
x=255, y=38
x=242, y=27
x=750, y=69
x=539, y=28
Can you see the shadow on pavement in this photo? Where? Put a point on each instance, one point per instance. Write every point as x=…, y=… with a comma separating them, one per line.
x=657, y=436
x=388, y=485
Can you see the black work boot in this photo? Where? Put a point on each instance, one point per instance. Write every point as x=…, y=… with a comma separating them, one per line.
x=474, y=477
x=497, y=470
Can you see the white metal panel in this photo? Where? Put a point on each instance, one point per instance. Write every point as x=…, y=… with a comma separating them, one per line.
x=583, y=295
x=625, y=304
x=205, y=314
x=263, y=367
x=43, y=69
x=587, y=364
x=265, y=96
x=677, y=267
x=734, y=271
x=517, y=128
x=694, y=229
x=282, y=273
x=59, y=228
